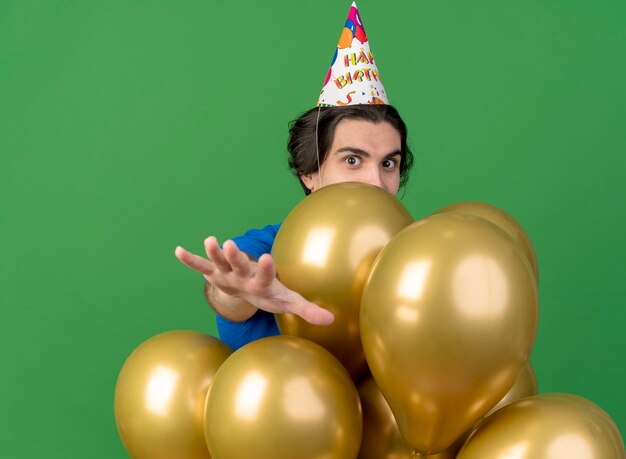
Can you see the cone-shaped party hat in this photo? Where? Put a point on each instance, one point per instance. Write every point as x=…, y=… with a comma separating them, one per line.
x=353, y=77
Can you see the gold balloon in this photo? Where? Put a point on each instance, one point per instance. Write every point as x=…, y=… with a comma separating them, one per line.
x=547, y=426
x=381, y=437
x=447, y=454
x=283, y=397
x=502, y=219
x=524, y=386
x=324, y=250
x=160, y=395
x=448, y=318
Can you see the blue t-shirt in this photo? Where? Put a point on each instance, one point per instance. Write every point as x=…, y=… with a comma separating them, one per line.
x=255, y=243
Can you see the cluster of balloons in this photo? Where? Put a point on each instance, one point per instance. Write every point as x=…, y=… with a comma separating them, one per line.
x=427, y=357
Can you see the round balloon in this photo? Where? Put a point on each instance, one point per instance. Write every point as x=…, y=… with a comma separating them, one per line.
x=381, y=437
x=324, y=250
x=525, y=385
x=160, y=395
x=546, y=426
x=448, y=318
x=283, y=397
x=502, y=219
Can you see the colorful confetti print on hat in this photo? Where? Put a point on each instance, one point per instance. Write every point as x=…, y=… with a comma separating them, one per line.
x=353, y=77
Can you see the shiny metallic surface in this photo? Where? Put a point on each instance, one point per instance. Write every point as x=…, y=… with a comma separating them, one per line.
x=525, y=385
x=283, y=397
x=324, y=251
x=547, y=426
x=381, y=437
x=448, y=319
x=502, y=219
x=160, y=395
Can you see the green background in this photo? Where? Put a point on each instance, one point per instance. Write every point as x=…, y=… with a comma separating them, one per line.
x=129, y=127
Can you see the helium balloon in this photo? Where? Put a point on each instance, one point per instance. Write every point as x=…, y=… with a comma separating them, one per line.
x=282, y=397
x=547, y=426
x=381, y=437
x=346, y=38
x=447, y=454
x=502, y=219
x=324, y=250
x=448, y=319
x=525, y=385
x=160, y=395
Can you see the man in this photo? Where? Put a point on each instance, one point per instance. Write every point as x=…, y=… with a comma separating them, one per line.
x=362, y=141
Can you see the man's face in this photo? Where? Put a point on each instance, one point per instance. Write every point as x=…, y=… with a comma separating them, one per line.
x=364, y=152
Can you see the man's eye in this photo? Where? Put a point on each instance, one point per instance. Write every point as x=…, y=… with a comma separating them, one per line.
x=389, y=163
x=353, y=160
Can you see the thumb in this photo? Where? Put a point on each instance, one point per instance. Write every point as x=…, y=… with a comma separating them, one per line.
x=312, y=313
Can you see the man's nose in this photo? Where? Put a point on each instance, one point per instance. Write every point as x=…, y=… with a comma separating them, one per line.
x=374, y=177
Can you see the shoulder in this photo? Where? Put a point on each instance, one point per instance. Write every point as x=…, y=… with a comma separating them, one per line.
x=268, y=231
x=257, y=241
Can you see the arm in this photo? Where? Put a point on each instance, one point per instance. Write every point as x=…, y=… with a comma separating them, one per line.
x=230, y=307
x=237, y=287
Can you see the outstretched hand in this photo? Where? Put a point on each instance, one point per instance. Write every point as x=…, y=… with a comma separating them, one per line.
x=231, y=271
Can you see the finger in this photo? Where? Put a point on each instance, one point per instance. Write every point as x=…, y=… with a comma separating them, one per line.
x=214, y=252
x=312, y=313
x=238, y=260
x=266, y=270
x=195, y=262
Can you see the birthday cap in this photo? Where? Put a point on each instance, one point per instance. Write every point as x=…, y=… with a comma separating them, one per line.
x=353, y=77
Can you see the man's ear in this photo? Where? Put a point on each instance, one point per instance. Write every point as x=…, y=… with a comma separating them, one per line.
x=309, y=180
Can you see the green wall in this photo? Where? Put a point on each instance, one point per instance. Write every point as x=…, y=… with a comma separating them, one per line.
x=129, y=127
